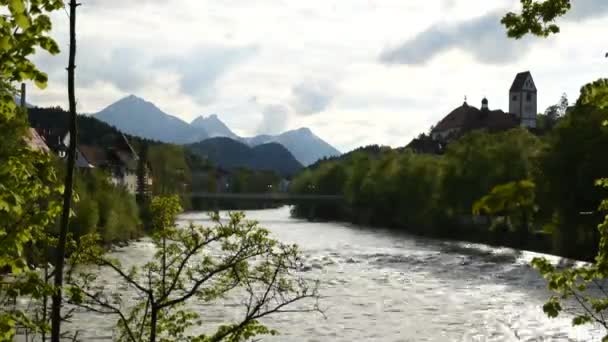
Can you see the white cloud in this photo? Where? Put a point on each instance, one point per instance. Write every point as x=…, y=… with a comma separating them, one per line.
x=193, y=57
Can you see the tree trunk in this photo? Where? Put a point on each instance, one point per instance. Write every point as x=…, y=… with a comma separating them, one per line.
x=153, y=319
x=69, y=182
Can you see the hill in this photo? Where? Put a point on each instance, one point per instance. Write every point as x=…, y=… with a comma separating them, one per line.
x=231, y=154
x=302, y=143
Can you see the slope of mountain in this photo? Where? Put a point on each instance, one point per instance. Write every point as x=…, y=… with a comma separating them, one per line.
x=230, y=154
x=136, y=116
x=302, y=143
x=214, y=127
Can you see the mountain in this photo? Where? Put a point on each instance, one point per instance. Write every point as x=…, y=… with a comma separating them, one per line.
x=137, y=116
x=302, y=143
x=231, y=154
x=214, y=127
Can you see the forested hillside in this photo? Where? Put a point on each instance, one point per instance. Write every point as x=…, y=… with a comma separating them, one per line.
x=231, y=154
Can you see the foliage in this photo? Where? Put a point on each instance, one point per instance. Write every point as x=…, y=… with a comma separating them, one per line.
x=104, y=209
x=586, y=285
x=418, y=192
x=199, y=264
x=553, y=113
x=27, y=181
x=170, y=171
x=537, y=17
x=569, y=167
x=514, y=200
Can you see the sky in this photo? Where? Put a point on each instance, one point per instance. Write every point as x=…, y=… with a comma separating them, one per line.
x=356, y=72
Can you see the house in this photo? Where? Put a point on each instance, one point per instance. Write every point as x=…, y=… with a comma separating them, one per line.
x=466, y=118
x=58, y=143
x=118, y=159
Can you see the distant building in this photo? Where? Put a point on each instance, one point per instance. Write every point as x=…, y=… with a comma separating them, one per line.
x=523, y=99
x=466, y=118
x=119, y=159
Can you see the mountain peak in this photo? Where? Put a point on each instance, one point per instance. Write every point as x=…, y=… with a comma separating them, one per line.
x=213, y=126
x=303, y=130
x=133, y=98
x=136, y=116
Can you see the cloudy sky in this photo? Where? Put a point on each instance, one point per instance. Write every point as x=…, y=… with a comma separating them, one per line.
x=356, y=72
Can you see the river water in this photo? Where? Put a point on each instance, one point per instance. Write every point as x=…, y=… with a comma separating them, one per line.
x=382, y=286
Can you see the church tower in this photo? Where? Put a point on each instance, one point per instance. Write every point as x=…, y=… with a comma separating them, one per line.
x=522, y=99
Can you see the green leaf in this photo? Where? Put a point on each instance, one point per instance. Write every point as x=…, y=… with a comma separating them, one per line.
x=580, y=320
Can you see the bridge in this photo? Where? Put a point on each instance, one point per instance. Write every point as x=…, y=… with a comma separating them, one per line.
x=274, y=197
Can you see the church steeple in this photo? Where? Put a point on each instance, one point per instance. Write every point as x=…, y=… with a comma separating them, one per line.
x=484, y=104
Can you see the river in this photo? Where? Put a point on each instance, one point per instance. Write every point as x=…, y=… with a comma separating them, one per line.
x=382, y=286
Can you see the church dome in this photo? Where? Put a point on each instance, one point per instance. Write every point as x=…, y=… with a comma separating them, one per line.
x=484, y=104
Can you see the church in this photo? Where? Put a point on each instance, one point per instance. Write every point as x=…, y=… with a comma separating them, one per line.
x=522, y=112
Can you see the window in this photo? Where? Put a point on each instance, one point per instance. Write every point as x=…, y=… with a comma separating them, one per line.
x=514, y=98
x=528, y=97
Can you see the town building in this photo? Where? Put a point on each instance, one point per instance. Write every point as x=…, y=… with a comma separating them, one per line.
x=466, y=118
x=119, y=160
x=523, y=99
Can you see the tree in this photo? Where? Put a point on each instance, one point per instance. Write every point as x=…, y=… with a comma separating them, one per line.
x=586, y=284
x=513, y=200
x=199, y=264
x=69, y=184
x=28, y=184
x=537, y=17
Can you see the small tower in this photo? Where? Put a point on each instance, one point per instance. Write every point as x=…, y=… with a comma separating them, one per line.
x=523, y=99
x=484, y=104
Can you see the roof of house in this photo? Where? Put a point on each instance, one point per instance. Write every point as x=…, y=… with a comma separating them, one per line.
x=126, y=158
x=95, y=155
x=36, y=142
x=456, y=119
x=493, y=120
x=520, y=80
x=82, y=161
x=53, y=138
x=466, y=118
